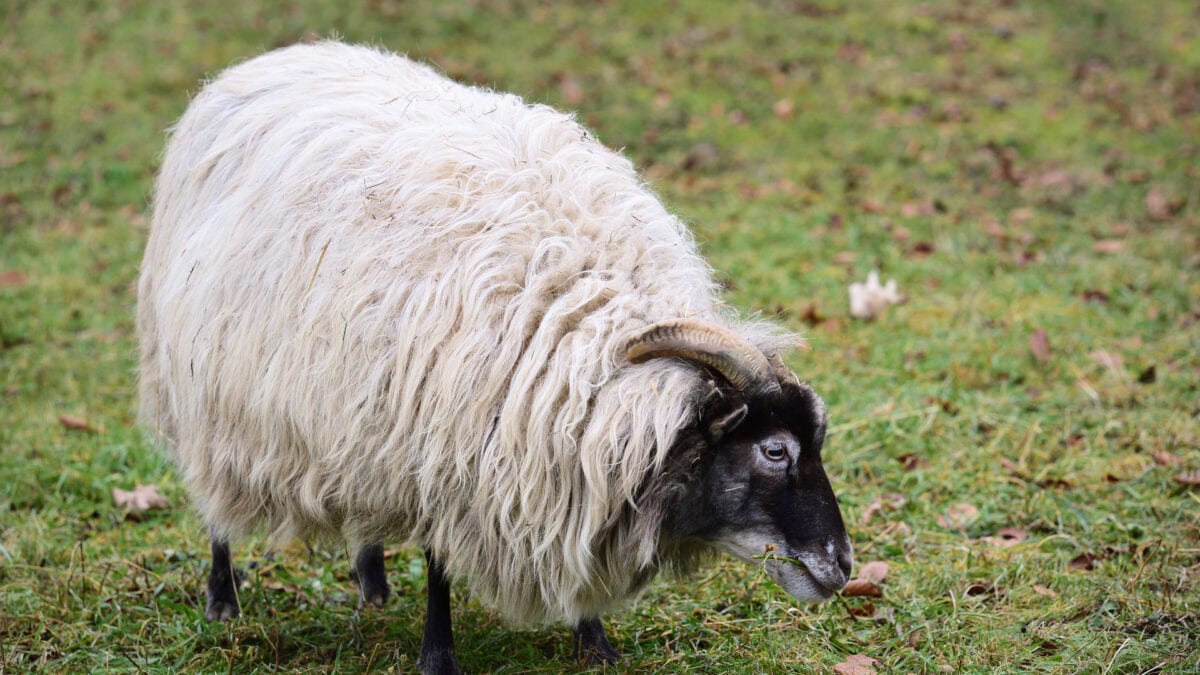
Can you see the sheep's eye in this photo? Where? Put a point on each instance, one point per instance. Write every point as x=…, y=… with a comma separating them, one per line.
x=775, y=452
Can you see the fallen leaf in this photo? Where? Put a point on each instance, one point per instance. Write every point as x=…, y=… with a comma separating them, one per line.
x=1012, y=533
x=1095, y=295
x=864, y=610
x=1113, y=362
x=1006, y=536
x=872, y=508
x=1164, y=458
x=1084, y=561
x=1157, y=206
x=856, y=664
x=1190, y=478
x=844, y=257
x=959, y=516
x=141, y=499
x=571, y=92
x=1039, y=344
x=873, y=571
x=1042, y=590
x=871, y=206
x=914, y=638
x=1109, y=246
x=922, y=249
x=914, y=209
x=76, y=423
x=783, y=109
x=812, y=315
x=911, y=461
x=862, y=587
x=980, y=588
x=12, y=278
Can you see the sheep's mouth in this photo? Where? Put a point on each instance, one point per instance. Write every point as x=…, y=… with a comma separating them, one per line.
x=797, y=578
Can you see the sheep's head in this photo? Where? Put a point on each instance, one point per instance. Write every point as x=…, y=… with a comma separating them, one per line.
x=748, y=476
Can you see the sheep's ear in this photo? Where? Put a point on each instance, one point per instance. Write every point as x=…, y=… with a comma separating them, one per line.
x=726, y=421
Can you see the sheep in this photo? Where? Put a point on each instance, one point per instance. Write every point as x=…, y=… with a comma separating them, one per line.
x=379, y=305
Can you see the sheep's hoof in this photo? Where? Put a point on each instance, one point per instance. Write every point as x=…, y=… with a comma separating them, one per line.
x=592, y=647
x=374, y=599
x=219, y=610
x=369, y=573
x=598, y=655
x=438, y=662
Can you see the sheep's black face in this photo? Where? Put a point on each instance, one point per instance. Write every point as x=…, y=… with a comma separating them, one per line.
x=760, y=489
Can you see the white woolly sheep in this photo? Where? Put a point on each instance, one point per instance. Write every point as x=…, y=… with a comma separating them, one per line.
x=381, y=305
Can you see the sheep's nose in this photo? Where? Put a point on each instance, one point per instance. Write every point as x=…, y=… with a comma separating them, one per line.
x=845, y=560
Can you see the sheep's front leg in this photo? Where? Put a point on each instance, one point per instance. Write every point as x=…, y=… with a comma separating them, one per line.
x=437, y=645
x=222, y=591
x=591, y=644
x=372, y=579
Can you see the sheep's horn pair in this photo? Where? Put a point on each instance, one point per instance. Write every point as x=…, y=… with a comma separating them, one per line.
x=738, y=361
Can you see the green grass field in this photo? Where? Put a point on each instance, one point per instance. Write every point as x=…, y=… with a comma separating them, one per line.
x=1016, y=166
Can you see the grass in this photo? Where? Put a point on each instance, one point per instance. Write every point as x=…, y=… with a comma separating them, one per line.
x=1014, y=166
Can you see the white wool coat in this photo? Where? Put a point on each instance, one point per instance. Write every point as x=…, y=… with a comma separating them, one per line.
x=379, y=304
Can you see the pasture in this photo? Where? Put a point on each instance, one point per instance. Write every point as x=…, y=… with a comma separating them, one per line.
x=1019, y=440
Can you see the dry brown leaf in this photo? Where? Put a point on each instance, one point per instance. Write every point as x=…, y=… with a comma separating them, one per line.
x=783, y=109
x=1013, y=534
x=872, y=508
x=914, y=209
x=1113, y=362
x=1157, y=206
x=910, y=461
x=871, y=206
x=76, y=423
x=856, y=664
x=844, y=257
x=1042, y=590
x=1189, y=478
x=1085, y=561
x=1109, y=246
x=12, y=278
x=864, y=610
x=959, y=516
x=873, y=571
x=1006, y=536
x=980, y=588
x=141, y=499
x=1147, y=376
x=571, y=92
x=1164, y=458
x=1039, y=344
x=862, y=587
x=922, y=249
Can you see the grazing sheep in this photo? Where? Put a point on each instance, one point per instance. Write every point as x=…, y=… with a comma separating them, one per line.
x=382, y=305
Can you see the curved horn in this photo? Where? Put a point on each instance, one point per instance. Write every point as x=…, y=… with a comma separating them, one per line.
x=738, y=361
x=782, y=372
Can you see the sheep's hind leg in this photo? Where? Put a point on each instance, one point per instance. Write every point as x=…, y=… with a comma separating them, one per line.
x=437, y=644
x=222, y=588
x=372, y=579
x=591, y=644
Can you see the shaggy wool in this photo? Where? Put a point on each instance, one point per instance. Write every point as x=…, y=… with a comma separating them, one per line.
x=379, y=304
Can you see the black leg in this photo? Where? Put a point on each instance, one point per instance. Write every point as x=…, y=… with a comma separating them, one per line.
x=222, y=589
x=372, y=579
x=437, y=645
x=591, y=644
